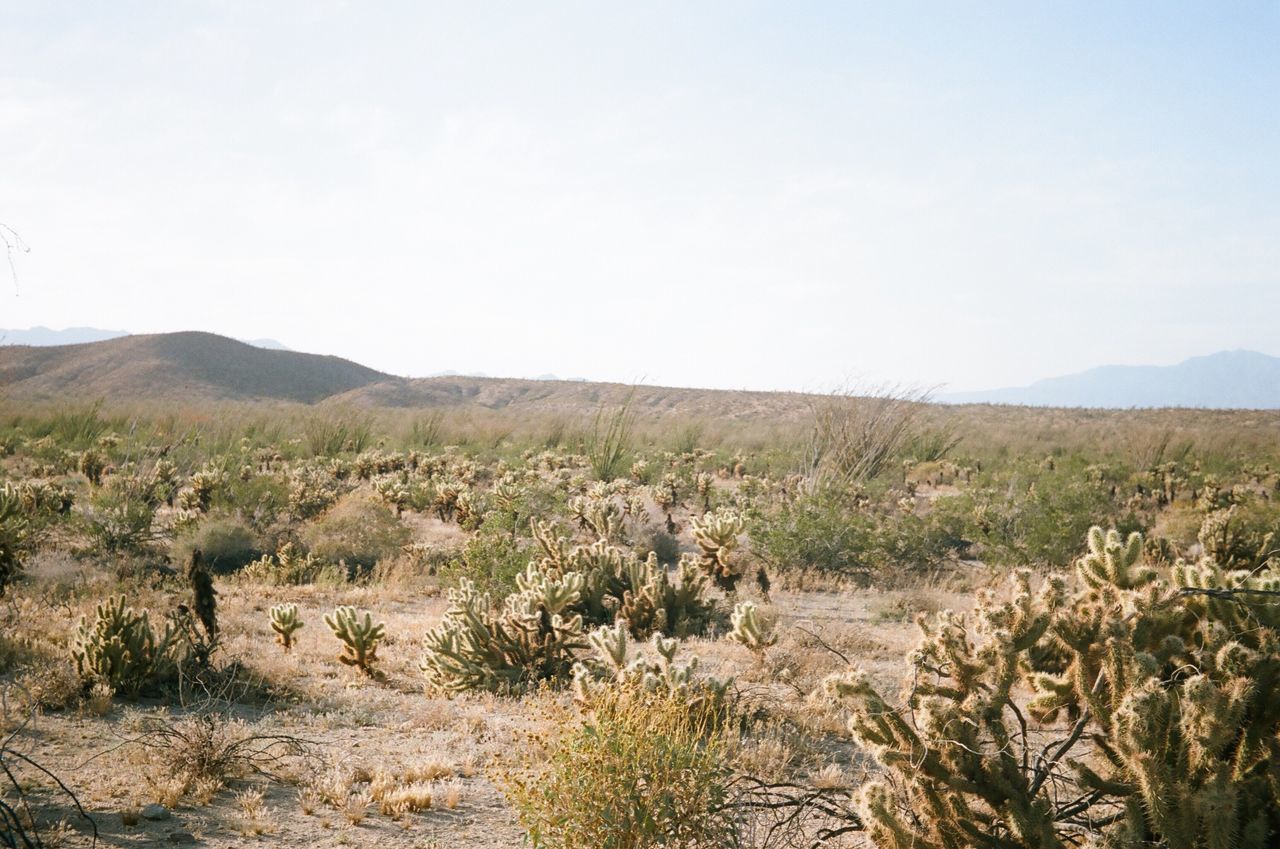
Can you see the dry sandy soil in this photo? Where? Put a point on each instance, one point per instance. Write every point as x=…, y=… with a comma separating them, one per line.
x=357, y=727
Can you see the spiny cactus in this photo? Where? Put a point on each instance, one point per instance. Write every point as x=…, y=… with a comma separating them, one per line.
x=285, y=622
x=717, y=535
x=750, y=630
x=122, y=649
x=609, y=668
x=1172, y=682
x=359, y=636
x=617, y=583
x=14, y=531
x=92, y=464
x=531, y=638
x=1113, y=562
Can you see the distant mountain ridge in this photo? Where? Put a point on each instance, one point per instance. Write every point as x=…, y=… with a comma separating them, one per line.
x=194, y=367
x=1225, y=380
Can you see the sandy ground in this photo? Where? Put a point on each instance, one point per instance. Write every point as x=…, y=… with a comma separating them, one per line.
x=355, y=725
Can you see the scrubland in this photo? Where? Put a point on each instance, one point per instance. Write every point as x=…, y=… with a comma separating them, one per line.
x=875, y=622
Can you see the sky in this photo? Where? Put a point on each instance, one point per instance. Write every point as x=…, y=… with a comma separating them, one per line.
x=733, y=195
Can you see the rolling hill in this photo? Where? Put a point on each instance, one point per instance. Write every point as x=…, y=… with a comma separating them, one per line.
x=193, y=368
x=1226, y=380
x=187, y=366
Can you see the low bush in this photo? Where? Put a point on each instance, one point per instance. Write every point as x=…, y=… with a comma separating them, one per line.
x=227, y=543
x=640, y=770
x=358, y=532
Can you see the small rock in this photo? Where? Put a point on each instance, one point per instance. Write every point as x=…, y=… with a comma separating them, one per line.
x=155, y=812
x=181, y=837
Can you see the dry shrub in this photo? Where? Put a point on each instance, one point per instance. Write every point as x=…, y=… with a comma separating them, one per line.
x=641, y=770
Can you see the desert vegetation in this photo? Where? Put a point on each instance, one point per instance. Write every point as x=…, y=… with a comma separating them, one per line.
x=871, y=622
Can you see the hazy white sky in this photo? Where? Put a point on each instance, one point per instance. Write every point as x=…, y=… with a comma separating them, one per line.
x=729, y=194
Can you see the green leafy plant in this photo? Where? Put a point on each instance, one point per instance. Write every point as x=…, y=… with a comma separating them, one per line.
x=641, y=770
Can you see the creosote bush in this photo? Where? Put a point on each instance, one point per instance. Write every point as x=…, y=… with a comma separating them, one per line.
x=641, y=769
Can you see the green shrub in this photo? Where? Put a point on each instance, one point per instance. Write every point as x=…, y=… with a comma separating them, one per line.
x=358, y=532
x=642, y=770
x=841, y=536
x=121, y=516
x=492, y=559
x=226, y=542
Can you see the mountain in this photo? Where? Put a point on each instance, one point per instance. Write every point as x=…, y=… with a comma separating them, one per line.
x=193, y=368
x=187, y=366
x=1226, y=380
x=42, y=336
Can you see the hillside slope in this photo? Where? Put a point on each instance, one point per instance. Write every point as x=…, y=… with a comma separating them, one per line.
x=189, y=366
x=571, y=396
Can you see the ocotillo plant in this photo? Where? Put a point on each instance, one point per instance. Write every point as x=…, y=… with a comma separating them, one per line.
x=359, y=636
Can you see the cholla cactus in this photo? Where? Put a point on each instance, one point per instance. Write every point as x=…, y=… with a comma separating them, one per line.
x=14, y=532
x=1111, y=562
x=1176, y=690
x=445, y=503
x=120, y=648
x=531, y=638
x=598, y=513
x=285, y=622
x=92, y=464
x=717, y=535
x=750, y=630
x=617, y=583
x=359, y=636
x=664, y=675
x=395, y=491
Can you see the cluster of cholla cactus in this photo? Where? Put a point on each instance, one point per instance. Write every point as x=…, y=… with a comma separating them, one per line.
x=617, y=583
x=534, y=633
x=360, y=637
x=286, y=622
x=120, y=648
x=396, y=491
x=14, y=531
x=531, y=638
x=609, y=668
x=750, y=629
x=717, y=536
x=1229, y=541
x=289, y=567
x=313, y=490
x=1155, y=719
x=198, y=494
